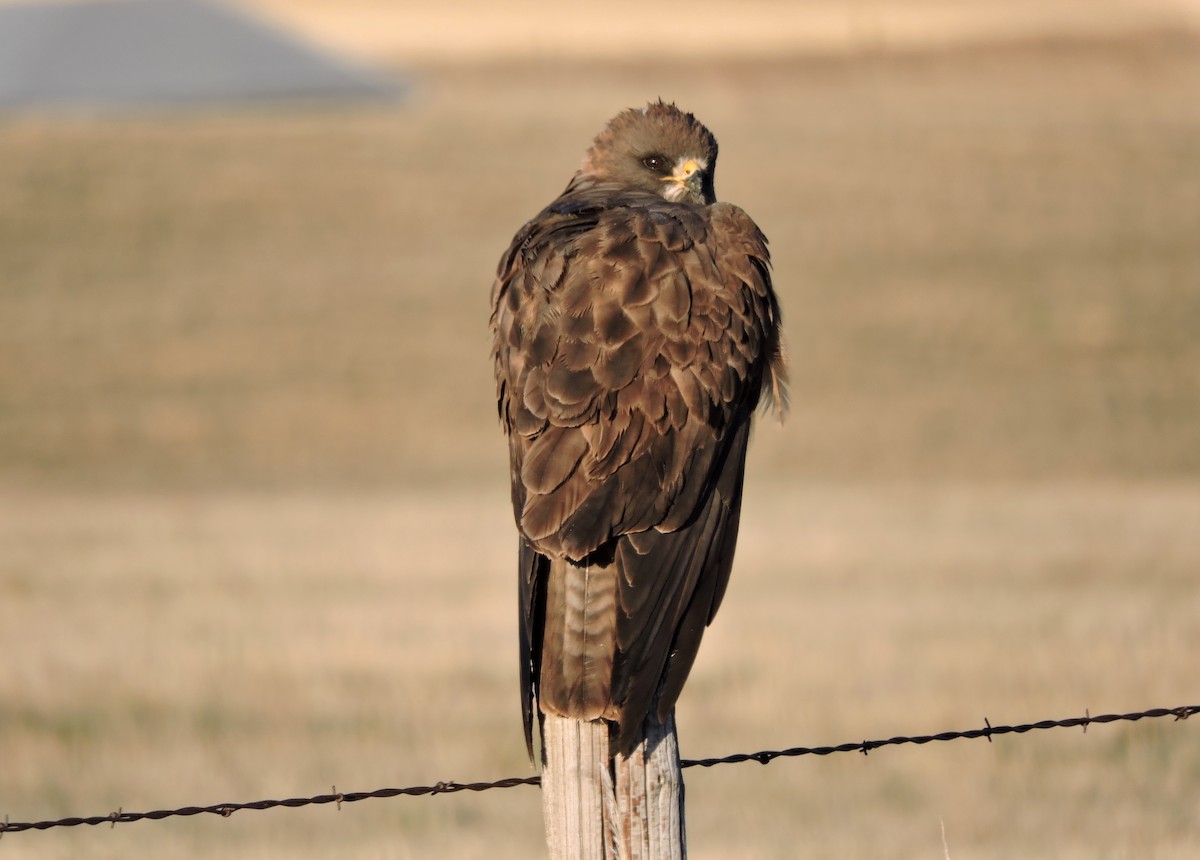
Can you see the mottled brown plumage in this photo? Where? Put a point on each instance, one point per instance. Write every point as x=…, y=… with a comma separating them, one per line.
x=635, y=330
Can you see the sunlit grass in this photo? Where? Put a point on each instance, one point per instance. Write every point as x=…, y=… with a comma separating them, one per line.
x=182, y=650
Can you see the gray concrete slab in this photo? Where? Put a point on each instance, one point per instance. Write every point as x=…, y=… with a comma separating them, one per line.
x=146, y=54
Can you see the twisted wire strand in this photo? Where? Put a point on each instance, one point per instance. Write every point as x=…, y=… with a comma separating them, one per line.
x=763, y=757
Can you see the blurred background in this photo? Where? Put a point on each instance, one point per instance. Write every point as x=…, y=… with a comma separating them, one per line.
x=255, y=538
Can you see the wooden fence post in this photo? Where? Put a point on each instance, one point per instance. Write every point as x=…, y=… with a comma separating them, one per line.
x=597, y=807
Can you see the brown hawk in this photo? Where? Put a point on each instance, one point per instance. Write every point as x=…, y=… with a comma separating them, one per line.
x=635, y=331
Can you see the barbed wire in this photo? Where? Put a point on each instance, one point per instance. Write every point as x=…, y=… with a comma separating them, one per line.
x=988, y=731
x=763, y=757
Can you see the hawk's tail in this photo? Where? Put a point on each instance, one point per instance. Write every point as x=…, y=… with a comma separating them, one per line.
x=579, y=641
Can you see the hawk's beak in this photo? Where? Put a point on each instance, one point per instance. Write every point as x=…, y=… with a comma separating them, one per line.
x=687, y=173
x=688, y=179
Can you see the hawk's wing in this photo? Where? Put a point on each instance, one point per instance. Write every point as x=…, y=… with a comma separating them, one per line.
x=632, y=340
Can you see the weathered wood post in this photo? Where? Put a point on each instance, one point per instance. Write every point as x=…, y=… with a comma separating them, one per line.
x=602, y=807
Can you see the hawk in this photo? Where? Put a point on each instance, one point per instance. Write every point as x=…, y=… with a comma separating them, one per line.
x=635, y=331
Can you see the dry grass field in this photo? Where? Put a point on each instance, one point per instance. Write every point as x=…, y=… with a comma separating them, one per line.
x=254, y=533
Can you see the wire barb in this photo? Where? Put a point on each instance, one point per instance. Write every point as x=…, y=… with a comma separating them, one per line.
x=225, y=810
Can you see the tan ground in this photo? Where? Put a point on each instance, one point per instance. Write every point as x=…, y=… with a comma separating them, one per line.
x=474, y=30
x=254, y=539
x=621, y=29
x=172, y=650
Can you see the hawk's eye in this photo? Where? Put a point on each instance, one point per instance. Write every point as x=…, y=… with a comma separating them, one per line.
x=657, y=163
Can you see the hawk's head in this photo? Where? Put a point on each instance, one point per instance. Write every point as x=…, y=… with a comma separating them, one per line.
x=659, y=149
